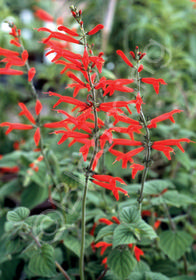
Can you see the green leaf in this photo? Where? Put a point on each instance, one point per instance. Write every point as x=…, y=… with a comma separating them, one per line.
x=10, y=187
x=33, y=195
x=123, y=235
x=156, y=186
x=141, y=266
x=105, y=231
x=173, y=198
x=144, y=230
x=42, y=263
x=73, y=244
x=121, y=262
x=151, y=187
x=147, y=276
x=175, y=244
x=130, y=214
x=17, y=215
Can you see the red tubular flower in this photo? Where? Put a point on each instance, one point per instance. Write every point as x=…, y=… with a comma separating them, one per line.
x=138, y=103
x=31, y=74
x=68, y=99
x=26, y=112
x=15, y=42
x=110, y=86
x=165, y=149
x=125, y=157
x=109, y=182
x=95, y=29
x=136, y=167
x=123, y=56
x=30, y=117
x=14, y=169
x=116, y=104
x=169, y=115
x=4, y=71
x=154, y=82
x=116, y=220
x=141, y=67
x=8, y=53
x=157, y=224
x=103, y=245
x=173, y=142
x=43, y=15
x=72, y=134
x=132, y=54
x=18, y=126
x=164, y=145
x=105, y=221
x=38, y=107
x=138, y=253
x=37, y=136
x=125, y=142
x=58, y=35
x=67, y=30
x=96, y=159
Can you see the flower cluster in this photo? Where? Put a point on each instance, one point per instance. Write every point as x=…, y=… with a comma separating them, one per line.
x=87, y=127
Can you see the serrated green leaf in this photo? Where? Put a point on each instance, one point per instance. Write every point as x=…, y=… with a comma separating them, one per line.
x=17, y=215
x=175, y=244
x=141, y=266
x=130, y=215
x=123, y=235
x=173, y=198
x=105, y=231
x=144, y=230
x=42, y=263
x=151, y=187
x=121, y=262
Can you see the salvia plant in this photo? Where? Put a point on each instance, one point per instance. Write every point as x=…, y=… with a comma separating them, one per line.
x=94, y=210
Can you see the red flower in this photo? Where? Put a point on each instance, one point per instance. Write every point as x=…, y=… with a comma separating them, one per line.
x=67, y=30
x=43, y=15
x=138, y=102
x=110, y=86
x=140, y=68
x=125, y=157
x=30, y=117
x=105, y=221
x=169, y=115
x=137, y=251
x=154, y=82
x=123, y=56
x=58, y=35
x=109, y=182
x=103, y=245
x=4, y=71
x=31, y=74
x=95, y=29
x=164, y=145
x=136, y=167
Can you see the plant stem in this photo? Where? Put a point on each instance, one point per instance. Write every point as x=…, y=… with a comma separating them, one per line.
x=147, y=144
x=64, y=273
x=83, y=224
x=95, y=150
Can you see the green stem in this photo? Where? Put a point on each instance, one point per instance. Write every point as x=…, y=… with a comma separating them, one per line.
x=96, y=137
x=64, y=273
x=83, y=222
x=147, y=144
